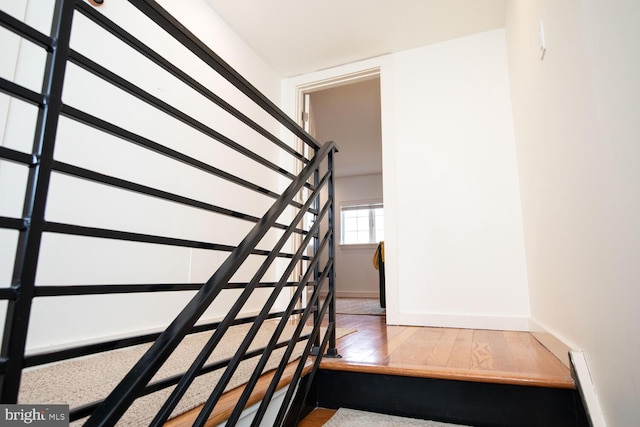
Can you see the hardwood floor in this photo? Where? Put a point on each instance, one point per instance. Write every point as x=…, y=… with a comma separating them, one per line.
x=504, y=357
x=317, y=418
x=476, y=355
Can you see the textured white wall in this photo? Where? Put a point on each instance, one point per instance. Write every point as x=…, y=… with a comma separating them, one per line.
x=69, y=260
x=577, y=132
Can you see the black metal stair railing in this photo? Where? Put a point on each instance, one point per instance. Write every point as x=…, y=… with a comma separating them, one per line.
x=43, y=165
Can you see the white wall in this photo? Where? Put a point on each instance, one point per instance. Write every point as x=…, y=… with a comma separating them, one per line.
x=69, y=260
x=460, y=245
x=453, y=233
x=355, y=274
x=577, y=132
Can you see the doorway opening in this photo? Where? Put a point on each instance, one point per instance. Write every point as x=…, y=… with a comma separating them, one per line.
x=347, y=110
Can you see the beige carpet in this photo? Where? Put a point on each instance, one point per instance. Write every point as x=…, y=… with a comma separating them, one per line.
x=352, y=418
x=80, y=381
x=369, y=306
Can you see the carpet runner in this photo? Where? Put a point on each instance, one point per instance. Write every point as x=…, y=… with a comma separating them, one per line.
x=352, y=418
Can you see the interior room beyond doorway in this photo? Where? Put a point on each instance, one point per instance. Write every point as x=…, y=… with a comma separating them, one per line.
x=349, y=114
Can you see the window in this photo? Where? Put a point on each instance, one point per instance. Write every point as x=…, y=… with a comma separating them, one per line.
x=362, y=223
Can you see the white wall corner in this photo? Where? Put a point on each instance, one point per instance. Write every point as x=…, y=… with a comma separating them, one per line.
x=586, y=388
x=551, y=342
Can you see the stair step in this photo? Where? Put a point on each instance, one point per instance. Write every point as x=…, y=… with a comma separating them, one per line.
x=450, y=401
x=345, y=417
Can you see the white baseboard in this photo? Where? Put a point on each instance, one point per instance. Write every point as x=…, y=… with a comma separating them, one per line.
x=551, y=342
x=353, y=294
x=459, y=321
x=587, y=391
x=577, y=362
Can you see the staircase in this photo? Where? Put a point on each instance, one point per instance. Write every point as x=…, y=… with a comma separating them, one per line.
x=459, y=376
x=456, y=402
x=154, y=201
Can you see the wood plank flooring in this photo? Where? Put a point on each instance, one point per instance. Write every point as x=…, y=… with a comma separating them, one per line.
x=504, y=357
x=462, y=354
x=317, y=418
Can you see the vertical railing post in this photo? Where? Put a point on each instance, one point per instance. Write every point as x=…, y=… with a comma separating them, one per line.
x=316, y=242
x=28, y=248
x=332, y=351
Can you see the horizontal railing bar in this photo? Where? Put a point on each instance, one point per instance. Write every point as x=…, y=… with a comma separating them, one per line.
x=8, y=293
x=158, y=385
x=238, y=285
x=77, y=290
x=298, y=372
x=36, y=186
x=109, y=76
x=160, y=194
x=179, y=32
x=25, y=31
x=190, y=375
x=152, y=55
x=316, y=363
x=86, y=410
x=222, y=383
x=21, y=92
x=18, y=156
x=13, y=223
x=79, y=230
x=102, y=125
x=251, y=383
x=87, y=350
x=123, y=395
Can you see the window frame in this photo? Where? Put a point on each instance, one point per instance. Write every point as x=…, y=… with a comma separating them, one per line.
x=371, y=206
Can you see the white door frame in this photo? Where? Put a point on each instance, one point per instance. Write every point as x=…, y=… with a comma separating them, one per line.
x=303, y=90
x=291, y=101
x=331, y=82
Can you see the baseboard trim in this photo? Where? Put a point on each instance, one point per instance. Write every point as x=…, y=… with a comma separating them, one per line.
x=551, y=342
x=586, y=389
x=459, y=321
x=353, y=294
x=577, y=362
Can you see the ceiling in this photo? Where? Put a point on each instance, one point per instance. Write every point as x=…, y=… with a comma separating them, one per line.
x=300, y=36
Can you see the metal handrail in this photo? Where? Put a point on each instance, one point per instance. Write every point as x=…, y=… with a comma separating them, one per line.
x=125, y=393
x=32, y=225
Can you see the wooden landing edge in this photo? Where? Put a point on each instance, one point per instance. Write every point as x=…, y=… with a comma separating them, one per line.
x=443, y=373
x=228, y=401
x=317, y=417
x=550, y=342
